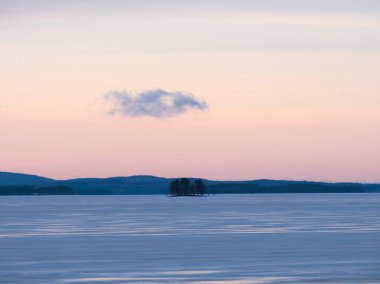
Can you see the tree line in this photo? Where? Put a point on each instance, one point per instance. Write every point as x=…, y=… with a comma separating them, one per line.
x=184, y=187
x=32, y=190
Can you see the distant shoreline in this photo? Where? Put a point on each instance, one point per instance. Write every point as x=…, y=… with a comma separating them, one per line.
x=23, y=184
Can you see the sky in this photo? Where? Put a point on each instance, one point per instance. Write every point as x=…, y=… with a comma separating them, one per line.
x=227, y=90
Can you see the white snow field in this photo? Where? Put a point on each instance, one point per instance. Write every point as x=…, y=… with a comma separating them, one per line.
x=273, y=238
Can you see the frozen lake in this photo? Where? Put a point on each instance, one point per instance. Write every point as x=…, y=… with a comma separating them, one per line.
x=274, y=238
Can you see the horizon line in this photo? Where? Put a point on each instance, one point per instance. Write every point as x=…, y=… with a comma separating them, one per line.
x=208, y=179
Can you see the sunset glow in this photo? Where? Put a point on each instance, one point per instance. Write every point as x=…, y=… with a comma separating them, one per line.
x=268, y=90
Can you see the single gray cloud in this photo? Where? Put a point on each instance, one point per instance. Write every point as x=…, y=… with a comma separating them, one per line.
x=154, y=103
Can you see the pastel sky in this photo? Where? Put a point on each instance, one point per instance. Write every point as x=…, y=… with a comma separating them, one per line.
x=286, y=89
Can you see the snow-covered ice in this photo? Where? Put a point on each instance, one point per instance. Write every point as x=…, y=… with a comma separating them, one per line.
x=228, y=239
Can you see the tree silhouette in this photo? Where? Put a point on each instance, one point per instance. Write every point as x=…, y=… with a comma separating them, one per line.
x=174, y=188
x=184, y=187
x=199, y=187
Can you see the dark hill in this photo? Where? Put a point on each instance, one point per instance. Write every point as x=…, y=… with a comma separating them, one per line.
x=23, y=179
x=145, y=184
x=119, y=185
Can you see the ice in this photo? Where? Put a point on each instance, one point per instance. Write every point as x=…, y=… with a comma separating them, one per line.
x=228, y=239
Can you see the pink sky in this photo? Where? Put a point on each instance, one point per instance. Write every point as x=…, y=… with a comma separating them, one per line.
x=292, y=93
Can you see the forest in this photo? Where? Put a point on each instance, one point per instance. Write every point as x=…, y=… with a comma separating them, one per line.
x=33, y=190
x=184, y=187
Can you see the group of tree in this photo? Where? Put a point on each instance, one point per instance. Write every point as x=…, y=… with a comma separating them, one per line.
x=184, y=187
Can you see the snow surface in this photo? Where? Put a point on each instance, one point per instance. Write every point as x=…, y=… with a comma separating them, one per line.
x=228, y=239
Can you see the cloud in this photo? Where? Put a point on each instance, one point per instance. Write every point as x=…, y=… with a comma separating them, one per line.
x=154, y=103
